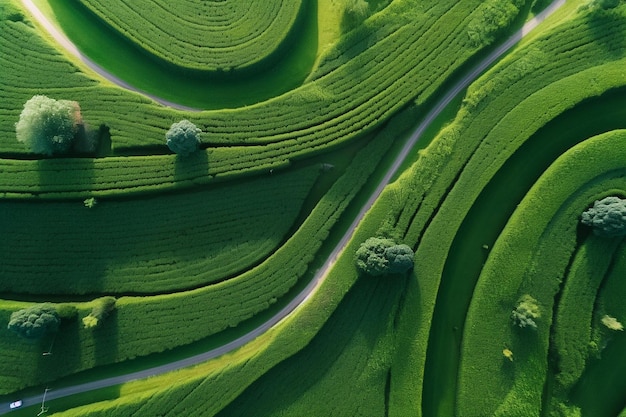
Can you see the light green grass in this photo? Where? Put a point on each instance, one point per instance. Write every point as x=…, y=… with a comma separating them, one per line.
x=533, y=253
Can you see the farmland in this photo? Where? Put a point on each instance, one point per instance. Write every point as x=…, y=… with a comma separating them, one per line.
x=199, y=250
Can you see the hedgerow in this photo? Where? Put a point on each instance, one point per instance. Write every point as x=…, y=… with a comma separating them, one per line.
x=212, y=36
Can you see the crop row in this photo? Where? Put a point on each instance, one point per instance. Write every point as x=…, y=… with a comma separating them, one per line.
x=396, y=79
x=206, y=36
x=486, y=135
x=143, y=325
x=148, y=245
x=533, y=254
x=551, y=224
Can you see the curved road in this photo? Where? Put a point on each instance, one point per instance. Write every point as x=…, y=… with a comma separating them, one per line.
x=321, y=274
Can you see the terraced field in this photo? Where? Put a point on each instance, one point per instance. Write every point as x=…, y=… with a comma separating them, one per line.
x=208, y=36
x=201, y=250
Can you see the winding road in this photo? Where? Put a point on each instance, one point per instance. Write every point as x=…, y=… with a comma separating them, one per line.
x=322, y=273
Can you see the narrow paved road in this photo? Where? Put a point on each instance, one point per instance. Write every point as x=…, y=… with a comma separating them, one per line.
x=321, y=274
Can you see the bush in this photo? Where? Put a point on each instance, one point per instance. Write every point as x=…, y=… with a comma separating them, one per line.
x=48, y=126
x=183, y=138
x=607, y=217
x=379, y=256
x=526, y=313
x=103, y=307
x=35, y=322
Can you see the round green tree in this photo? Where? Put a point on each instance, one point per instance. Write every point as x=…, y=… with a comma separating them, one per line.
x=183, y=138
x=35, y=322
x=48, y=126
x=607, y=217
x=379, y=256
x=101, y=310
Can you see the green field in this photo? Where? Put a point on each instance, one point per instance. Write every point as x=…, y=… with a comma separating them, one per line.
x=303, y=107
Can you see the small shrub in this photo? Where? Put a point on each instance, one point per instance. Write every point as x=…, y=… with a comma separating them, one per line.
x=607, y=217
x=183, y=138
x=526, y=313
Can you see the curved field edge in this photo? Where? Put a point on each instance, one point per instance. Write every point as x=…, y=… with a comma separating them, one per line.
x=173, y=86
x=216, y=383
x=187, y=41
x=320, y=113
x=144, y=325
x=387, y=201
x=533, y=253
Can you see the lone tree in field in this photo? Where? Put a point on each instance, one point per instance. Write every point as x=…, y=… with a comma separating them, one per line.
x=183, y=138
x=35, y=322
x=526, y=312
x=607, y=217
x=379, y=256
x=102, y=308
x=48, y=126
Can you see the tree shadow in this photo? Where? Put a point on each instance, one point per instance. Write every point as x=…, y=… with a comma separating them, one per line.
x=60, y=352
x=188, y=168
x=607, y=29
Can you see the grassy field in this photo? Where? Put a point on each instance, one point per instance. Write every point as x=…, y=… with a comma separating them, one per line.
x=194, y=247
x=208, y=37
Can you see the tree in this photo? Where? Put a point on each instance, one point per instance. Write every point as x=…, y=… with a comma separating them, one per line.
x=526, y=313
x=607, y=217
x=102, y=308
x=35, y=322
x=380, y=256
x=48, y=126
x=183, y=138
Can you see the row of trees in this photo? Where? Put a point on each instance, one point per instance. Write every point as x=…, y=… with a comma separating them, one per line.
x=55, y=127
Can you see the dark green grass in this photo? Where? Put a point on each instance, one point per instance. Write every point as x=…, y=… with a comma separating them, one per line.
x=601, y=390
x=343, y=371
x=533, y=254
x=153, y=245
x=96, y=40
x=206, y=37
